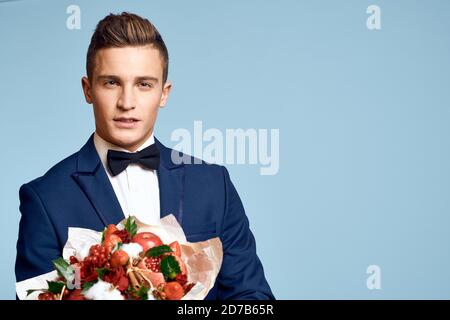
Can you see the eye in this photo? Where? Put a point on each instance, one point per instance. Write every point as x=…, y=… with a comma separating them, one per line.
x=110, y=83
x=146, y=84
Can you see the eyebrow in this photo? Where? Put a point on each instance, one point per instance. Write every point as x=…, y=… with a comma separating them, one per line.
x=141, y=78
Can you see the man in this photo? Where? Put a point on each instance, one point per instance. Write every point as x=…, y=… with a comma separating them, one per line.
x=124, y=170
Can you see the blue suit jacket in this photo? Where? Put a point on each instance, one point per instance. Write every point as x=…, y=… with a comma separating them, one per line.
x=77, y=193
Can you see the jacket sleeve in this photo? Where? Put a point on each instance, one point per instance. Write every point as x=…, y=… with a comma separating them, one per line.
x=242, y=275
x=37, y=243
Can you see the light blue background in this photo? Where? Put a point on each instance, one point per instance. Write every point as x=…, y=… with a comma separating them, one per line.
x=363, y=116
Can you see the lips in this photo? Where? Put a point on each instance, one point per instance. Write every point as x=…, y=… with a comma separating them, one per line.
x=126, y=123
x=126, y=120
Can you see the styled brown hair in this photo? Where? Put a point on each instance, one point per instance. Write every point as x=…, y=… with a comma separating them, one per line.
x=123, y=30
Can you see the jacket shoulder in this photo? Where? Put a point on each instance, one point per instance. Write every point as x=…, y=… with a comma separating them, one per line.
x=196, y=165
x=56, y=174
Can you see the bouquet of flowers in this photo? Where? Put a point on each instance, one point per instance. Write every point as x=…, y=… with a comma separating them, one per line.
x=130, y=260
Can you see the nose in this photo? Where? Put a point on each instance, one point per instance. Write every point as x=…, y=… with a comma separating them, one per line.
x=127, y=99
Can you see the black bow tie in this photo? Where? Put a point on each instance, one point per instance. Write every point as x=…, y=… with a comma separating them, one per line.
x=119, y=161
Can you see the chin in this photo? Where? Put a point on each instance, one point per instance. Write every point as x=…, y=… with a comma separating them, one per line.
x=125, y=140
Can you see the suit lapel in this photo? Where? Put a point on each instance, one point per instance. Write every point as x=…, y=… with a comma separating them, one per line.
x=171, y=184
x=93, y=180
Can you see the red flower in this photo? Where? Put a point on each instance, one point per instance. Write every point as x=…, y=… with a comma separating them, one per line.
x=87, y=272
x=123, y=235
x=117, y=277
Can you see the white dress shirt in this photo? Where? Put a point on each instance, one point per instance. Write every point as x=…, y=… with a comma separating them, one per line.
x=136, y=188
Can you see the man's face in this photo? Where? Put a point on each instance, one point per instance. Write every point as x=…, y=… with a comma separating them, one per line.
x=126, y=91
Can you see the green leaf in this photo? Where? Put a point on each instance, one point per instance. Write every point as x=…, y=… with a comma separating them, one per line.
x=55, y=287
x=117, y=246
x=30, y=291
x=88, y=285
x=130, y=289
x=103, y=235
x=131, y=227
x=142, y=293
x=170, y=267
x=64, y=269
x=101, y=272
x=157, y=251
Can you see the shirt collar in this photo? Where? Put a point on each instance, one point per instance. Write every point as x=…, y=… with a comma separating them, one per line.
x=102, y=146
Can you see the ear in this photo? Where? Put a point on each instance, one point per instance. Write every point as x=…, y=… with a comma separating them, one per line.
x=165, y=94
x=86, y=85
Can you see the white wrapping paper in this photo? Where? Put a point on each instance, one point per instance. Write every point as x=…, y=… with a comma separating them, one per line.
x=203, y=259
